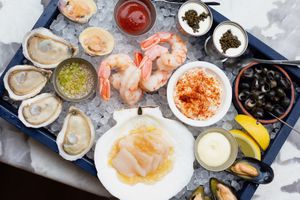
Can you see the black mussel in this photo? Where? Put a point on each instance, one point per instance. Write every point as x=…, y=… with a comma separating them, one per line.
x=272, y=83
x=270, y=75
x=258, y=69
x=252, y=170
x=271, y=94
x=244, y=85
x=278, y=110
x=255, y=84
x=255, y=94
x=280, y=92
x=258, y=113
x=221, y=191
x=244, y=95
x=198, y=193
x=265, y=87
x=248, y=73
x=257, y=76
x=284, y=83
x=277, y=75
x=269, y=107
x=261, y=96
x=250, y=103
x=285, y=102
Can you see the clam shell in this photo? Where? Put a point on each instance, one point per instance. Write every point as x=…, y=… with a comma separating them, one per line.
x=46, y=50
x=77, y=135
x=78, y=10
x=96, y=41
x=40, y=111
x=25, y=81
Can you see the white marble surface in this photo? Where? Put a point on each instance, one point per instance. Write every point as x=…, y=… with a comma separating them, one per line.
x=276, y=22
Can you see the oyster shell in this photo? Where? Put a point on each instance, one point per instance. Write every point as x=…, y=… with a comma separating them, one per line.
x=25, y=81
x=78, y=10
x=77, y=135
x=40, y=111
x=46, y=50
x=96, y=41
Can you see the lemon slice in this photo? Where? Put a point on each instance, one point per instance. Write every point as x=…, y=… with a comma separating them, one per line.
x=255, y=129
x=247, y=145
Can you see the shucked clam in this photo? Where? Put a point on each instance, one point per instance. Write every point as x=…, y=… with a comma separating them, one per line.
x=46, y=50
x=252, y=170
x=77, y=135
x=78, y=10
x=25, y=81
x=221, y=191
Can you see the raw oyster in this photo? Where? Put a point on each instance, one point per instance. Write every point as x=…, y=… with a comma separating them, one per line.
x=25, y=81
x=78, y=10
x=96, y=41
x=40, y=111
x=252, y=170
x=221, y=191
x=46, y=50
x=77, y=135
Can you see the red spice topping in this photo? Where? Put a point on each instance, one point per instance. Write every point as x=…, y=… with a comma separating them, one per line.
x=198, y=94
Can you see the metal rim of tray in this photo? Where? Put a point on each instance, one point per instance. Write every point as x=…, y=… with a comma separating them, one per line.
x=9, y=113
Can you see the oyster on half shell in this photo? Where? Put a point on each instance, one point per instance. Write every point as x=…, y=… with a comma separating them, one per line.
x=78, y=10
x=40, y=111
x=46, y=50
x=96, y=41
x=77, y=135
x=25, y=81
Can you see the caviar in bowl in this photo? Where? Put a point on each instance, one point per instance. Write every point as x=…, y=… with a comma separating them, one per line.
x=75, y=79
x=199, y=94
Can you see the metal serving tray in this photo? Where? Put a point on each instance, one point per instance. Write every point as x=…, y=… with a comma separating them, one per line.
x=259, y=49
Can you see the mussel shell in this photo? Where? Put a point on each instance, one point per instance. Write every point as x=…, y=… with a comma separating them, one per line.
x=284, y=83
x=265, y=172
x=250, y=103
x=198, y=191
x=270, y=75
x=213, y=182
x=269, y=107
x=271, y=94
x=272, y=83
x=265, y=87
x=265, y=70
x=255, y=84
x=244, y=85
x=244, y=95
x=258, y=69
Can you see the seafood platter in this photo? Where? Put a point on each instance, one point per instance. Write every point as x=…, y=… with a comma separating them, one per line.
x=147, y=94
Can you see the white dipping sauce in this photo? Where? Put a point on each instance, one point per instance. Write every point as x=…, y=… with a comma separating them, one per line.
x=236, y=31
x=204, y=25
x=214, y=149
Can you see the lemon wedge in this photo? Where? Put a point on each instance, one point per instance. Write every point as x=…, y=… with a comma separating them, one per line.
x=247, y=145
x=255, y=129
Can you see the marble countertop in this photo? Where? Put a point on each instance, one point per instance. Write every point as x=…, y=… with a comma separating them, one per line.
x=273, y=21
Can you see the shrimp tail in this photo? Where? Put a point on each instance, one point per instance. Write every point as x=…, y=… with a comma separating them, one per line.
x=103, y=75
x=155, y=39
x=146, y=68
x=138, y=57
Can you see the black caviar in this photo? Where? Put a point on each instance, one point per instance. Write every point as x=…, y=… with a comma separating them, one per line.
x=228, y=40
x=193, y=19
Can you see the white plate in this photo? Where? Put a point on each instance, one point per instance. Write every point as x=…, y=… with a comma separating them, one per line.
x=225, y=99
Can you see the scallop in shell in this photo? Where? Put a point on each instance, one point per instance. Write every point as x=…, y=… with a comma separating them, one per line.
x=40, y=111
x=136, y=156
x=25, y=81
x=77, y=135
x=46, y=50
x=96, y=41
x=78, y=10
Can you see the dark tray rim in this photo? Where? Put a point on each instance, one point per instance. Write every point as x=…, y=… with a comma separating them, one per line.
x=8, y=112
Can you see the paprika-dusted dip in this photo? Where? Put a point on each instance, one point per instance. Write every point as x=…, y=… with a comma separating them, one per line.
x=198, y=94
x=133, y=17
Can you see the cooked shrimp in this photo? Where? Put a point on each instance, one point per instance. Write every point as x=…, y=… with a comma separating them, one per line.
x=126, y=80
x=166, y=61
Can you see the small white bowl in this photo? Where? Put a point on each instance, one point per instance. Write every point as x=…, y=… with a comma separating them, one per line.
x=225, y=99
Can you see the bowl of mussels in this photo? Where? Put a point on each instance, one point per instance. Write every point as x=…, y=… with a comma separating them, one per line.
x=262, y=91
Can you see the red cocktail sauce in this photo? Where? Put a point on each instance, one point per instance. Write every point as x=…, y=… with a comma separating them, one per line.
x=133, y=17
